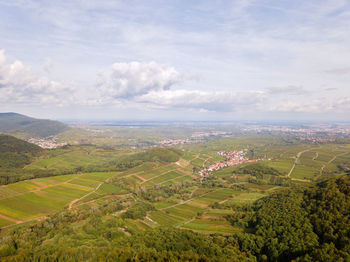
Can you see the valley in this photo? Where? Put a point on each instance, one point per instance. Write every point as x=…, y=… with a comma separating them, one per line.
x=209, y=187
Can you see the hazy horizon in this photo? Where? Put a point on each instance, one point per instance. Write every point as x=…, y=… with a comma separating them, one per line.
x=176, y=61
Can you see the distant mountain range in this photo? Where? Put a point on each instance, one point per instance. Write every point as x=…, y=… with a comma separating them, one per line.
x=24, y=126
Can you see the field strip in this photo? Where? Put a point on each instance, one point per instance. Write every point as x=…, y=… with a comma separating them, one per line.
x=25, y=221
x=296, y=160
x=44, y=187
x=186, y=222
x=94, y=191
x=186, y=172
x=301, y=180
x=171, y=179
x=188, y=200
x=10, y=219
x=143, y=179
x=77, y=185
x=156, y=176
x=330, y=161
x=78, y=199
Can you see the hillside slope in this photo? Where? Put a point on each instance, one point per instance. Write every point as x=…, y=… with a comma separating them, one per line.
x=24, y=126
x=15, y=153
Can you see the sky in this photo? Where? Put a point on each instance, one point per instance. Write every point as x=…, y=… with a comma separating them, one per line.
x=176, y=60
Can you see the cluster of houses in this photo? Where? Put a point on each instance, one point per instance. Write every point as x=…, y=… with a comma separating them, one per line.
x=195, y=137
x=173, y=142
x=48, y=143
x=206, y=134
x=232, y=158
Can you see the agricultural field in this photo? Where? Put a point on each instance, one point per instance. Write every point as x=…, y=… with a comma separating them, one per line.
x=35, y=198
x=194, y=208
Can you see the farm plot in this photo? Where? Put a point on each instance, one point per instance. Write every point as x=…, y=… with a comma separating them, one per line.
x=85, y=182
x=282, y=165
x=177, y=180
x=164, y=219
x=158, y=171
x=304, y=172
x=99, y=176
x=184, y=211
x=110, y=189
x=165, y=177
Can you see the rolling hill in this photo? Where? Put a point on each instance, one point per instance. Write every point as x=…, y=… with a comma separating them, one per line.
x=15, y=153
x=23, y=126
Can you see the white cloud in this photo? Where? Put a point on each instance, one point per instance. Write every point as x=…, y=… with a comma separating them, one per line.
x=287, y=90
x=129, y=80
x=204, y=100
x=19, y=83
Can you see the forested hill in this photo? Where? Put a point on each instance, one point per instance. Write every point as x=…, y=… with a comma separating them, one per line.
x=303, y=225
x=24, y=126
x=15, y=153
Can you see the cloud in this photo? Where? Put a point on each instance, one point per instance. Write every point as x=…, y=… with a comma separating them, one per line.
x=339, y=71
x=288, y=90
x=204, y=100
x=19, y=84
x=129, y=80
x=48, y=65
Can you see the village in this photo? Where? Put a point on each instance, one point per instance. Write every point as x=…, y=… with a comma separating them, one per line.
x=47, y=143
x=195, y=137
x=232, y=158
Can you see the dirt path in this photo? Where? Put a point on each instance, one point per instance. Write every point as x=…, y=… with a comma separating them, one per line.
x=141, y=178
x=330, y=161
x=78, y=199
x=296, y=161
x=301, y=180
x=10, y=219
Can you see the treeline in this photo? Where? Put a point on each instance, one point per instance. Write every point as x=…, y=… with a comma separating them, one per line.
x=258, y=170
